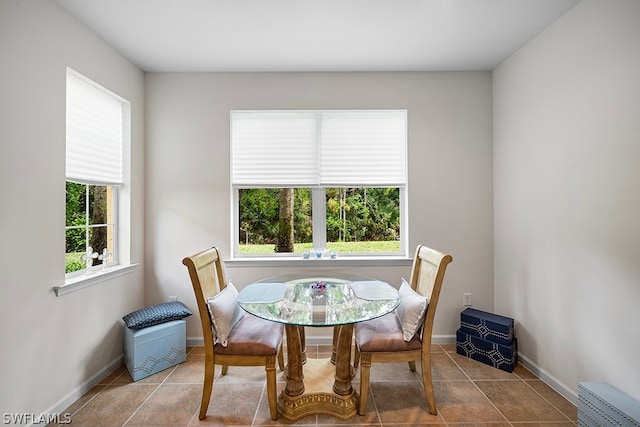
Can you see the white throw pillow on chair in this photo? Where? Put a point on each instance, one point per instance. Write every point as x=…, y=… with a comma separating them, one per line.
x=411, y=310
x=225, y=312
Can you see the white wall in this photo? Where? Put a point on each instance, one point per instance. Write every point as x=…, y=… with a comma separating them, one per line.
x=567, y=204
x=450, y=171
x=52, y=346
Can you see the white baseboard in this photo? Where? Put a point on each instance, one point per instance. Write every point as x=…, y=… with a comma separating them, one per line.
x=194, y=341
x=443, y=339
x=567, y=392
x=83, y=388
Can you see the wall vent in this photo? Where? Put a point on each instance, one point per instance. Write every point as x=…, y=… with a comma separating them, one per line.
x=601, y=405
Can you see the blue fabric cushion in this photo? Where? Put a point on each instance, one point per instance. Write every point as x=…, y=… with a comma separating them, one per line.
x=156, y=314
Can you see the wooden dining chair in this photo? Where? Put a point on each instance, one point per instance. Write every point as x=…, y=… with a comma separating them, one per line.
x=405, y=335
x=231, y=337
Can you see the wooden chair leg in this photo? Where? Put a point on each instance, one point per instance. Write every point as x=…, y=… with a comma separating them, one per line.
x=428, y=385
x=207, y=387
x=303, y=343
x=356, y=357
x=272, y=397
x=281, y=358
x=365, y=372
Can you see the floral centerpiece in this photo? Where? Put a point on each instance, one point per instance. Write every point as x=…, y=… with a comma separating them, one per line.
x=318, y=288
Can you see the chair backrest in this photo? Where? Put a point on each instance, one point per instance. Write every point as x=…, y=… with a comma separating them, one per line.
x=208, y=279
x=427, y=275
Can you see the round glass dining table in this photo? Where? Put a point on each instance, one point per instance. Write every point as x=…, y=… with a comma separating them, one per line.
x=318, y=302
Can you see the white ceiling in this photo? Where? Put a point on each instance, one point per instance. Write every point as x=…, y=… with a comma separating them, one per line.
x=317, y=35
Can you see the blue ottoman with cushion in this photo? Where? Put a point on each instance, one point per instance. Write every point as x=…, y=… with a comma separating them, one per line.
x=155, y=338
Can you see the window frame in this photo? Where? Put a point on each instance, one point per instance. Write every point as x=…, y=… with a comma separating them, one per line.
x=319, y=217
x=120, y=263
x=87, y=226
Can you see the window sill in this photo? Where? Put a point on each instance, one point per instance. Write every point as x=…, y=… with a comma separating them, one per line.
x=346, y=261
x=84, y=281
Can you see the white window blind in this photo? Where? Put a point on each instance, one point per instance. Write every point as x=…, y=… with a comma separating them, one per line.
x=94, y=133
x=319, y=148
x=362, y=149
x=274, y=149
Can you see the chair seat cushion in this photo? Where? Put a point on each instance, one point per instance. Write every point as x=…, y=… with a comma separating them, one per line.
x=384, y=334
x=253, y=336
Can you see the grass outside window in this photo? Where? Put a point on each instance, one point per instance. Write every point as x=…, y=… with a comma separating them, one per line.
x=392, y=246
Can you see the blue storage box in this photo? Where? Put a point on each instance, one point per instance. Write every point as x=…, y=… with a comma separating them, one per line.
x=153, y=349
x=488, y=326
x=488, y=352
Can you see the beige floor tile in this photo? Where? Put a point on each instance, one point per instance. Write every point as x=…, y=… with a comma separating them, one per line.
x=86, y=398
x=169, y=405
x=195, y=350
x=557, y=400
x=444, y=368
x=232, y=404
x=243, y=374
x=113, y=406
x=505, y=424
x=437, y=348
x=401, y=402
x=519, y=402
x=263, y=416
x=478, y=370
x=523, y=372
x=468, y=394
x=356, y=420
x=461, y=401
x=156, y=378
x=122, y=370
x=449, y=348
x=392, y=372
x=370, y=418
x=414, y=424
x=189, y=372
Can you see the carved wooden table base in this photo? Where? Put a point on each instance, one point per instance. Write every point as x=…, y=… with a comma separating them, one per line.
x=325, y=389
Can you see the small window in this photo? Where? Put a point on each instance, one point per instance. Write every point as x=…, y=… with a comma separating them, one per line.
x=96, y=120
x=319, y=183
x=90, y=224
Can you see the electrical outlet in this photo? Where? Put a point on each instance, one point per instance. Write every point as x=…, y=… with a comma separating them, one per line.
x=173, y=298
x=466, y=299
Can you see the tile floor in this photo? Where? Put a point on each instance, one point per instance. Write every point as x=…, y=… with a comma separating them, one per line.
x=468, y=394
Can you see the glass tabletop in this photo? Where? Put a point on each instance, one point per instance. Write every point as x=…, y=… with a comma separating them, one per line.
x=319, y=301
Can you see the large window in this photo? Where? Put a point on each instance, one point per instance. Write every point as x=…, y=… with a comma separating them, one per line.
x=96, y=123
x=319, y=182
